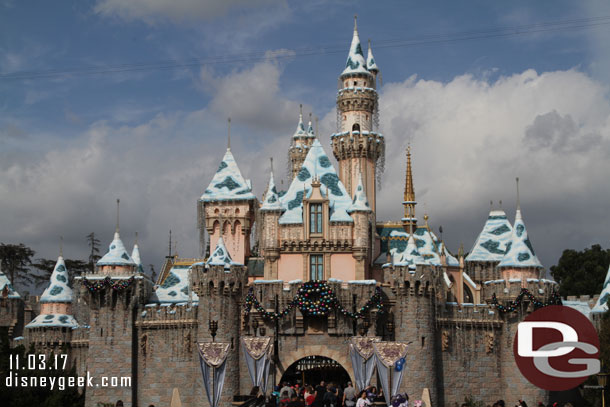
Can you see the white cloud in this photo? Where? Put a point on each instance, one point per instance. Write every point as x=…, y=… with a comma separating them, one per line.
x=174, y=10
x=472, y=137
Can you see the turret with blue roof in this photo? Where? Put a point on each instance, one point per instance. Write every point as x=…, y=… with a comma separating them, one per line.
x=56, y=300
x=316, y=164
x=135, y=255
x=356, y=64
x=371, y=65
x=492, y=242
x=520, y=252
x=228, y=184
x=6, y=288
x=221, y=257
x=359, y=203
x=601, y=305
x=272, y=199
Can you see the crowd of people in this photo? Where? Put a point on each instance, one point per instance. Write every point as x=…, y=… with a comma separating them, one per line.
x=324, y=395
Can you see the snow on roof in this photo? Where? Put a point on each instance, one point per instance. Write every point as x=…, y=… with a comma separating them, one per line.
x=581, y=306
x=371, y=65
x=220, y=256
x=355, y=59
x=520, y=252
x=175, y=287
x=451, y=260
x=228, y=183
x=135, y=255
x=300, y=131
x=53, y=320
x=58, y=289
x=602, y=302
x=272, y=200
x=359, y=203
x=409, y=256
x=310, y=130
x=5, y=282
x=117, y=254
x=316, y=164
x=492, y=242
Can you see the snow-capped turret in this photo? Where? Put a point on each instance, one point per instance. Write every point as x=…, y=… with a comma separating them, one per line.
x=228, y=184
x=300, y=131
x=601, y=305
x=371, y=65
x=135, y=255
x=410, y=256
x=310, y=130
x=6, y=288
x=359, y=202
x=272, y=200
x=56, y=301
x=492, y=242
x=356, y=64
x=520, y=252
x=58, y=289
x=117, y=254
x=220, y=256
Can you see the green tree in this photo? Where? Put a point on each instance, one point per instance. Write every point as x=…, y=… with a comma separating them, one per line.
x=581, y=272
x=15, y=260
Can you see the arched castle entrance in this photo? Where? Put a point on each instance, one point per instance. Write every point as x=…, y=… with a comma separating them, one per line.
x=314, y=369
x=287, y=359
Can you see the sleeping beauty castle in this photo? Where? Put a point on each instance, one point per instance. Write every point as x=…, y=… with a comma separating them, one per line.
x=302, y=285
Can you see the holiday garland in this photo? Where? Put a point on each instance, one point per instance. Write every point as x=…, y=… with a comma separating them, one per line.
x=513, y=305
x=117, y=285
x=315, y=298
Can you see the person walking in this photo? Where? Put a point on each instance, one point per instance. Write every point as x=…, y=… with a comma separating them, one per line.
x=320, y=391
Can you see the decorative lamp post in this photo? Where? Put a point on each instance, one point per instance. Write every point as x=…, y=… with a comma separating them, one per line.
x=213, y=325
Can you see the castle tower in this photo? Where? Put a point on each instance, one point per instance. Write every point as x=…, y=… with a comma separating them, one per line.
x=360, y=211
x=300, y=144
x=227, y=209
x=270, y=212
x=52, y=328
x=409, y=221
x=357, y=146
x=135, y=255
x=114, y=293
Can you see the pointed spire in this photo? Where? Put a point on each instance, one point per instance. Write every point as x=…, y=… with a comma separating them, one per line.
x=355, y=60
x=272, y=200
x=229, y=134
x=220, y=256
x=310, y=131
x=493, y=241
x=135, y=254
x=118, y=202
x=300, y=131
x=360, y=202
x=518, y=199
x=603, y=302
x=61, y=246
x=409, y=221
x=520, y=252
x=371, y=65
x=58, y=289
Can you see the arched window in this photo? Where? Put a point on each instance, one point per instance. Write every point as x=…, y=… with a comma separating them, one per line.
x=315, y=218
x=468, y=297
x=356, y=127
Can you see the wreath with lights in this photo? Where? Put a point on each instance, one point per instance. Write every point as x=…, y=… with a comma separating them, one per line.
x=512, y=306
x=117, y=285
x=314, y=298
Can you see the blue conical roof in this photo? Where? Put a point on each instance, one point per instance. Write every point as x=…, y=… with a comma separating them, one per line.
x=228, y=184
x=316, y=164
x=520, y=252
x=58, y=289
x=359, y=202
x=117, y=254
x=310, y=130
x=272, y=199
x=300, y=130
x=220, y=256
x=355, y=59
x=493, y=240
x=371, y=65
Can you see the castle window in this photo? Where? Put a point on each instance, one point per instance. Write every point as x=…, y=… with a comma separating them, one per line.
x=316, y=267
x=315, y=218
x=355, y=83
x=356, y=127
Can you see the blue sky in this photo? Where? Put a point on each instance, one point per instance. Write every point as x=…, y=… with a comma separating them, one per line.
x=485, y=91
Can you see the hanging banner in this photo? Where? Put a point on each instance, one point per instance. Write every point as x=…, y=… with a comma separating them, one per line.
x=361, y=353
x=390, y=358
x=258, y=352
x=212, y=358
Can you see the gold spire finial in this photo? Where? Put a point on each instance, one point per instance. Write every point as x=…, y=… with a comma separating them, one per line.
x=118, y=202
x=229, y=134
x=61, y=246
x=409, y=203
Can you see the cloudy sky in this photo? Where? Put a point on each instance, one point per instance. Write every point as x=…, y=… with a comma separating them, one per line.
x=105, y=99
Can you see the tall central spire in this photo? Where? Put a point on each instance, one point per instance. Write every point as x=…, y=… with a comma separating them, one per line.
x=409, y=221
